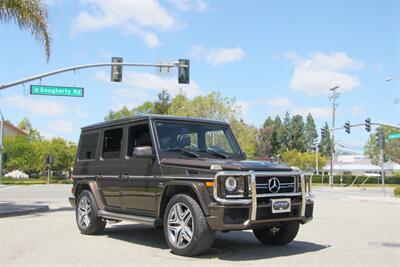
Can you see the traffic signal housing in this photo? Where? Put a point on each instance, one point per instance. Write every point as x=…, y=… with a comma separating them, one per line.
x=323, y=133
x=368, y=124
x=347, y=127
x=116, y=71
x=184, y=71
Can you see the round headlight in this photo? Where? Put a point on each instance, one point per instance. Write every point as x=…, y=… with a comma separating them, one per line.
x=230, y=184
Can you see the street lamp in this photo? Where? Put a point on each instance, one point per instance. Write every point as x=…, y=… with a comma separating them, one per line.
x=334, y=96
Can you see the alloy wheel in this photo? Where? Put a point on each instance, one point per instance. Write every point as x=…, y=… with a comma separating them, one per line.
x=180, y=225
x=84, y=212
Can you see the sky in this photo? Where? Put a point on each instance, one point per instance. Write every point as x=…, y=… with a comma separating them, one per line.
x=271, y=56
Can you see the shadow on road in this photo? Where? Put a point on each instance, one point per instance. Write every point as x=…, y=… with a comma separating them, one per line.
x=232, y=246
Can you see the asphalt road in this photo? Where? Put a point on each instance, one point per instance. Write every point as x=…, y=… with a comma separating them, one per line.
x=351, y=227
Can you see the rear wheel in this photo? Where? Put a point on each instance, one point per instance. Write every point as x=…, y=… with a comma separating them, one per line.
x=278, y=235
x=86, y=214
x=185, y=227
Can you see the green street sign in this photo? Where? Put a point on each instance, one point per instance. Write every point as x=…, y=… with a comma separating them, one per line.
x=56, y=90
x=394, y=136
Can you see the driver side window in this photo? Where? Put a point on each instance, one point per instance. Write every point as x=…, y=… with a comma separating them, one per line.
x=138, y=135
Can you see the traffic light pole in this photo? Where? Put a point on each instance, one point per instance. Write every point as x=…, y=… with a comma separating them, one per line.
x=334, y=96
x=78, y=67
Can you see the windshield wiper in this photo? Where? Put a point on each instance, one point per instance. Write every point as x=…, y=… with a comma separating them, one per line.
x=183, y=151
x=215, y=153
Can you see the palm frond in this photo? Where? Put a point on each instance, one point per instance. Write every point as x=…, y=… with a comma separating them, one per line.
x=29, y=15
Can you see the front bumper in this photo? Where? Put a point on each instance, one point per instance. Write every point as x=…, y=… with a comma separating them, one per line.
x=256, y=212
x=237, y=217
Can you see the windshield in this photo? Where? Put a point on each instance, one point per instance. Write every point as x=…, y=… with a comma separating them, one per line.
x=199, y=140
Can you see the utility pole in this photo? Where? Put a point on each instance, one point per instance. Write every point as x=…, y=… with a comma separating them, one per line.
x=334, y=96
x=381, y=143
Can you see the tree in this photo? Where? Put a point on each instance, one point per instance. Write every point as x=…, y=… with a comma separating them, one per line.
x=305, y=161
x=391, y=149
x=286, y=132
x=27, y=127
x=30, y=15
x=310, y=132
x=264, y=146
x=63, y=152
x=145, y=108
x=325, y=142
x=297, y=139
x=163, y=103
x=23, y=154
x=245, y=135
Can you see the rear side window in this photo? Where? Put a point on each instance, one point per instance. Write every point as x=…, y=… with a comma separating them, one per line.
x=112, y=143
x=88, y=146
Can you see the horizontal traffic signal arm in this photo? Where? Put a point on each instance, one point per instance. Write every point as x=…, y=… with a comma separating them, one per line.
x=87, y=66
x=372, y=123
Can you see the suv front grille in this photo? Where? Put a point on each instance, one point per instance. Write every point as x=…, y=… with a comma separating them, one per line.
x=275, y=185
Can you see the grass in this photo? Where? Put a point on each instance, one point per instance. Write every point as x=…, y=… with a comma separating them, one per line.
x=34, y=181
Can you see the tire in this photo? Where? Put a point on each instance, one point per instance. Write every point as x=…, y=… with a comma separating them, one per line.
x=278, y=235
x=184, y=216
x=86, y=214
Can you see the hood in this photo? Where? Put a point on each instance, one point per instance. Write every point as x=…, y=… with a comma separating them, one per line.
x=226, y=164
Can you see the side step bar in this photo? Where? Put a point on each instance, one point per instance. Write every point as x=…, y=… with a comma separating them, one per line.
x=118, y=216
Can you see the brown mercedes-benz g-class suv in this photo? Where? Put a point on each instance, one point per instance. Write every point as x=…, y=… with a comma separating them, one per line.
x=186, y=175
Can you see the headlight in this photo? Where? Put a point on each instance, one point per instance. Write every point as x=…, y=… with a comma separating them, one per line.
x=230, y=184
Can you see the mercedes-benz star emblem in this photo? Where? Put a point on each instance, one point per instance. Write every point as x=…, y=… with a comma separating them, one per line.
x=274, y=185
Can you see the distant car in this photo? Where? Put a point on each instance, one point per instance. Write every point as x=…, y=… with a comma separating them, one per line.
x=189, y=176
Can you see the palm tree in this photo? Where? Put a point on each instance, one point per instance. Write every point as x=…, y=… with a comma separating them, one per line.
x=30, y=15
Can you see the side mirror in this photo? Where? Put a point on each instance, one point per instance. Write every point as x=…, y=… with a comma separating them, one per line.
x=143, y=151
x=244, y=155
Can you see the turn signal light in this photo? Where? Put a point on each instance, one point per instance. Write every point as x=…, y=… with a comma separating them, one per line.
x=209, y=183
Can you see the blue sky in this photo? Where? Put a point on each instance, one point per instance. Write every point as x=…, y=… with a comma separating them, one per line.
x=271, y=56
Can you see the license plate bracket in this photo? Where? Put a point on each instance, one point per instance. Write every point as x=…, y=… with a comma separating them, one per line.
x=281, y=205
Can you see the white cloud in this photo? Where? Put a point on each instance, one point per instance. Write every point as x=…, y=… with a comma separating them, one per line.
x=62, y=126
x=137, y=87
x=37, y=107
x=315, y=75
x=356, y=110
x=189, y=5
x=279, y=102
x=132, y=17
x=218, y=56
x=316, y=112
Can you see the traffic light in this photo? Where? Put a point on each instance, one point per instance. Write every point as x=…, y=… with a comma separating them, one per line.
x=347, y=127
x=368, y=124
x=323, y=133
x=116, y=71
x=48, y=159
x=184, y=71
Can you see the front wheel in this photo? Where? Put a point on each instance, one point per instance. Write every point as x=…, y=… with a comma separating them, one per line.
x=86, y=215
x=278, y=235
x=185, y=227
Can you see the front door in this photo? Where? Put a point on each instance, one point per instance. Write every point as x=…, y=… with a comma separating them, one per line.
x=109, y=175
x=139, y=185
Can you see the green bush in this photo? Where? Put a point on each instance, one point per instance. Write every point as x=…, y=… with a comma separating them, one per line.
x=348, y=179
x=34, y=181
x=397, y=191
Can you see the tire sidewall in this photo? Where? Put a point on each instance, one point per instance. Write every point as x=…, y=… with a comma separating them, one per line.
x=197, y=215
x=93, y=216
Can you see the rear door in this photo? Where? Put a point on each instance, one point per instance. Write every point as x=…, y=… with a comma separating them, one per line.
x=139, y=184
x=109, y=167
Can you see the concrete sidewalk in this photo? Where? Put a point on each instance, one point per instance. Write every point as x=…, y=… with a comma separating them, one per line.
x=8, y=209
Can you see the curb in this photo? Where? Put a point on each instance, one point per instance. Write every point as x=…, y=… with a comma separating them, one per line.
x=9, y=209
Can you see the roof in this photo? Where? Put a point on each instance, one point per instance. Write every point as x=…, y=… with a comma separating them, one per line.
x=14, y=128
x=150, y=117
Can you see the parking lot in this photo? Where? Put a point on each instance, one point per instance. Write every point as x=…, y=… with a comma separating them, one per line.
x=351, y=227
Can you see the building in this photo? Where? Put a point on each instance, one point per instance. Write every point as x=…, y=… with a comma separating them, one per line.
x=360, y=165
x=12, y=130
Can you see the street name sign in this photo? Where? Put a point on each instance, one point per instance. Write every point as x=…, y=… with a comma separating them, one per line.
x=56, y=90
x=394, y=136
